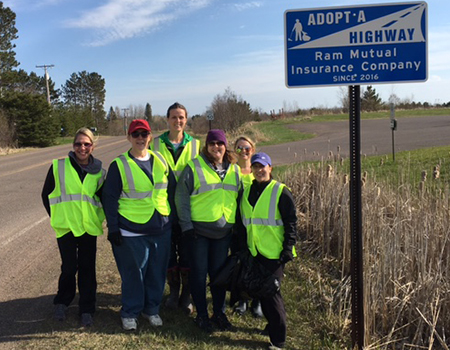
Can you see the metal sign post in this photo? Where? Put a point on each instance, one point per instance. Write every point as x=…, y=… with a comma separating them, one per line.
x=354, y=93
x=393, y=128
x=209, y=117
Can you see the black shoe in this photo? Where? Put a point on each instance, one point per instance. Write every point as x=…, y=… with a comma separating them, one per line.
x=203, y=323
x=241, y=308
x=60, y=312
x=256, y=308
x=87, y=320
x=222, y=323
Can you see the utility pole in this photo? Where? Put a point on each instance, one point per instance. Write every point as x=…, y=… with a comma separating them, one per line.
x=45, y=66
x=125, y=124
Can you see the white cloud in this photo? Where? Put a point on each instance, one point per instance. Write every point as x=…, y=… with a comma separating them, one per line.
x=123, y=19
x=247, y=5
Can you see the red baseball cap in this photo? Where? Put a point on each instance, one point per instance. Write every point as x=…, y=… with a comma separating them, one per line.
x=138, y=124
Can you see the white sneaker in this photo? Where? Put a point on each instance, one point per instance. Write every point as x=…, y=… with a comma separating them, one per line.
x=155, y=320
x=129, y=324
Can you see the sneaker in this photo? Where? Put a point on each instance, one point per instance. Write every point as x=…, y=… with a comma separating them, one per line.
x=203, y=323
x=222, y=323
x=256, y=309
x=60, y=312
x=86, y=320
x=155, y=320
x=273, y=347
x=129, y=323
x=241, y=308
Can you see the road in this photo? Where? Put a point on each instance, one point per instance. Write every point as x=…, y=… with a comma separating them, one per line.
x=29, y=257
x=376, y=138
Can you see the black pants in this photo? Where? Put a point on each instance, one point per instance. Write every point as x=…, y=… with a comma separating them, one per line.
x=77, y=254
x=273, y=307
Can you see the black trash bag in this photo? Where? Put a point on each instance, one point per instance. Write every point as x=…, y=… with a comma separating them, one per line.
x=224, y=278
x=256, y=280
x=228, y=277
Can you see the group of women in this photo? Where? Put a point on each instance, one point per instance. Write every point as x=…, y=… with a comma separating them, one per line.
x=171, y=211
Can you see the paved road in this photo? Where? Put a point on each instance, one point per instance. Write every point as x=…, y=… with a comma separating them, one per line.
x=29, y=257
x=376, y=138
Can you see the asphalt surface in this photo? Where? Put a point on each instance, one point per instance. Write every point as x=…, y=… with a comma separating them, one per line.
x=376, y=138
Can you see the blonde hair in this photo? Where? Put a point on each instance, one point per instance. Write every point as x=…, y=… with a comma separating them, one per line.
x=245, y=138
x=86, y=132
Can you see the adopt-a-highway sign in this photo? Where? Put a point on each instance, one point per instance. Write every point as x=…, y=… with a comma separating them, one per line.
x=367, y=44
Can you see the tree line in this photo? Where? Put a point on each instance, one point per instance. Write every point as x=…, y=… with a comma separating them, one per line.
x=27, y=119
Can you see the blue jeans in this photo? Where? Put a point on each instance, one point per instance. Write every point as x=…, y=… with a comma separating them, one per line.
x=207, y=256
x=142, y=263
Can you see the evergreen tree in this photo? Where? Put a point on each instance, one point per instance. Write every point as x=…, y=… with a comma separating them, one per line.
x=148, y=112
x=31, y=116
x=370, y=100
x=8, y=33
x=85, y=94
x=111, y=114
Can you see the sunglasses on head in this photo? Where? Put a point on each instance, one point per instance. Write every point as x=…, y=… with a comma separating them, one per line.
x=85, y=144
x=243, y=148
x=216, y=143
x=143, y=134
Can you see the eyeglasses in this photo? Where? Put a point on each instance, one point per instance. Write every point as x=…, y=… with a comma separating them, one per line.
x=85, y=144
x=243, y=148
x=143, y=134
x=216, y=143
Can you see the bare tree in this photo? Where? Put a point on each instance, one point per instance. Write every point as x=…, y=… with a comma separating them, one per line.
x=230, y=111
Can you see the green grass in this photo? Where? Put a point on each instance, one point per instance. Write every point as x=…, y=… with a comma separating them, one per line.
x=277, y=132
x=376, y=115
x=64, y=140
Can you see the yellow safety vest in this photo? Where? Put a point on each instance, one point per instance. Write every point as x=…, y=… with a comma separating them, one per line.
x=247, y=179
x=265, y=230
x=74, y=206
x=213, y=198
x=190, y=151
x=140, y=197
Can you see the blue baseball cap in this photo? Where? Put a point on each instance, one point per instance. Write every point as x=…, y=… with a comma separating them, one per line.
x=261, y=158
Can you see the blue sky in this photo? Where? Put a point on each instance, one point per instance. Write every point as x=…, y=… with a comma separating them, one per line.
x=162, y=51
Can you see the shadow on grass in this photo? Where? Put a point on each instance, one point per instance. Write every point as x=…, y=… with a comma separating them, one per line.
x=31, y=320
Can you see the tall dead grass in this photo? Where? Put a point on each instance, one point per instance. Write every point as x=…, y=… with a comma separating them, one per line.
x=406, y=246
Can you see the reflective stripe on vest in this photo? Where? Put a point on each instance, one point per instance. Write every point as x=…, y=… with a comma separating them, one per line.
x=159, y=147
x=213, y=198
x=74, y=205
x=140, y=196
x=273, y=206
x=263, y=222
x=130, y=180
x=64, y=197
x=204, y=187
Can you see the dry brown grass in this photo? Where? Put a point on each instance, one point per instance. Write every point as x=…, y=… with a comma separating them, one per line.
x=406, y=254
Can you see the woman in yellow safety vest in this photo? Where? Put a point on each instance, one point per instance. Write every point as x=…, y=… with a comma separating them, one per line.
x=245, y=148
x=177, y=147
x=71, y=196
x=206, y=201
x=136, y=199
x=267, y=211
